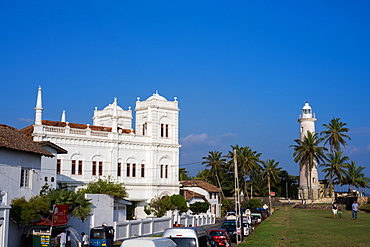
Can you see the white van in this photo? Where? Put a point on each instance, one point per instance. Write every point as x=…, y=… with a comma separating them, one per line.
x=258, y=216
x=148, y=242
x=188, y=236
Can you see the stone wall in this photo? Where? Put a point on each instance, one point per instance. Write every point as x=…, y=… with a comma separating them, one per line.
x=344, y=203
x=318, y=206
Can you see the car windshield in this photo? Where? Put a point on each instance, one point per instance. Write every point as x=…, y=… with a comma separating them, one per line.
x=229, y=225
x=97, y=234
x=216, y=233
x=185, y=242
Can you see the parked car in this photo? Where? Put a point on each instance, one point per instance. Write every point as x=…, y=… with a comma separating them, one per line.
x=254, y=221
x=220, y=237
x=258, y=216
x=264, y=212
x=230, y=216
x=149, y=242
x=230, y=226
x=187, y=236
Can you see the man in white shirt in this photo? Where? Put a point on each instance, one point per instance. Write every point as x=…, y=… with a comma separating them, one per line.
x=85, y=240
x=62, y=239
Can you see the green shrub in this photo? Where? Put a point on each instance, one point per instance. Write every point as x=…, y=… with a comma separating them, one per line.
x=254, y=203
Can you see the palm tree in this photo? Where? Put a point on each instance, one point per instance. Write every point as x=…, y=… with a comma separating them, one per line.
x=355, y=177
x=248, y=161
x=203, y=175
x=78, y=206
x=215, y=162
x=308, y=153
x=335, y=168
x=184, y=174
x=257, y=184
x=270, y=172
x=334, y=135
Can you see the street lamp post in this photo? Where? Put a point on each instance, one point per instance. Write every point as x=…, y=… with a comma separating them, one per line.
x=241, y=215
x=286, y=188
x=237, y=200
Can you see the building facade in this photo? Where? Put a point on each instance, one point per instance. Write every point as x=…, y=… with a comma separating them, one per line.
x=20, y=176
x=307, y=123
x=146, y=160
x=201, y=191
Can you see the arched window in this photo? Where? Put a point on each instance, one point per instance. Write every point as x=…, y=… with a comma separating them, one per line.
x=119, y=169
x=142, y=170
x=144, y=130
x=164, y=127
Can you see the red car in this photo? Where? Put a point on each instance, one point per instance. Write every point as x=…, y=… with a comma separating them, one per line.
x=221, y=237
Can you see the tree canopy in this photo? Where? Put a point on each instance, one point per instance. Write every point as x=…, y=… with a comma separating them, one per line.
x=308, y=153
x=106, y=185
x=334, y=135
x=158, y=206
x=215, y=161
x=25, y=212
x=199, y=207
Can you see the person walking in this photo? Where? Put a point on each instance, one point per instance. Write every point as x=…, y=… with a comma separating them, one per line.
x=340, y=213
x=354, y=210
x=68, y=239
x=62, y=239
x=85, y=239
x=335, y=209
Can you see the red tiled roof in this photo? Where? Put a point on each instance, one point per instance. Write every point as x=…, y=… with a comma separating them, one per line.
x=27, y=131
x=13, y=139
x=200, y=183
x=43, y=222
x=75, y=125
x=188, y=195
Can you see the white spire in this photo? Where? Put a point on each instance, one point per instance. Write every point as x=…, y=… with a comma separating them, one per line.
x=115, y=116
x=115, y=107
x=63, y=116
x=38, y=108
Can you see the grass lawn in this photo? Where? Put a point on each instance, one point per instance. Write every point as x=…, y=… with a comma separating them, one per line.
x=305, y=227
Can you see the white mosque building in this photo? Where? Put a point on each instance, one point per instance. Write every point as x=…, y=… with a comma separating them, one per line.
x=146, y=159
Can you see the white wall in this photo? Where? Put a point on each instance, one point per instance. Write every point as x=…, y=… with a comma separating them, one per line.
x=11, y=163
x=48, y=169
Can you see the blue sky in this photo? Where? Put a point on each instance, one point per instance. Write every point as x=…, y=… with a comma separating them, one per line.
x=242, y=70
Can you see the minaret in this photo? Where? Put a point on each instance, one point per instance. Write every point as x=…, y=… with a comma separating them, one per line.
x=307, y=123
x=63, y=116
x=38, y=108
x=114, y=117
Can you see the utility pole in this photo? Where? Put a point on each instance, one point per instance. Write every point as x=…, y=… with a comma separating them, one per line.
x=286, y=190
x=239, y=217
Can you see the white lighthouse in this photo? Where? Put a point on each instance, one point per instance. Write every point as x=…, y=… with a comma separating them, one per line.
x=307, y=123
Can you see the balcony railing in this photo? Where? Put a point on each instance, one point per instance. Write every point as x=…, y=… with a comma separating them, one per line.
x=301, y=115
x=75, y=132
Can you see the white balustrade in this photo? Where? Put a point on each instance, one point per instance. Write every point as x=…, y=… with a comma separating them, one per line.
x=155, y=226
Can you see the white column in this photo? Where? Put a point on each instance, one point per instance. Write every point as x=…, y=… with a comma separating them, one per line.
x=38, y=108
